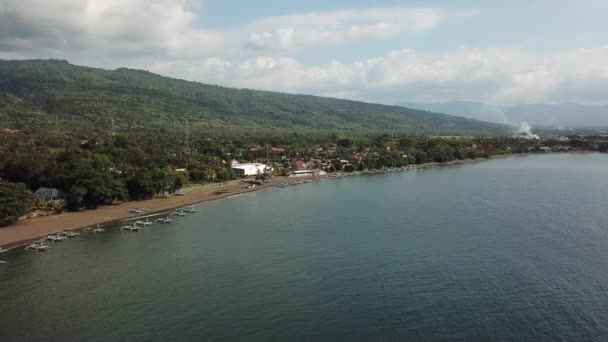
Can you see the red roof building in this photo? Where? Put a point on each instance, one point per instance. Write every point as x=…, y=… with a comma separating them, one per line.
x=277, y=149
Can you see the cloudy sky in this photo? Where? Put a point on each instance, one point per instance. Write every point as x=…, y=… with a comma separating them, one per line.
x=383, y=51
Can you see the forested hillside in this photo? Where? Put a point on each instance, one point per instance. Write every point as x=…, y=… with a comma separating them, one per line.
x=44, y=91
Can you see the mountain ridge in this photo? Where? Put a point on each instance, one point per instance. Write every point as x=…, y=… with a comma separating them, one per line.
x=52, y=89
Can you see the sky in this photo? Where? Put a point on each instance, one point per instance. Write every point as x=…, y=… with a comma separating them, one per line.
x=387, y=51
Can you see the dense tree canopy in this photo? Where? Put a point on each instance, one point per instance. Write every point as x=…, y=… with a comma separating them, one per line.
x=15, y=201
x=38, y=91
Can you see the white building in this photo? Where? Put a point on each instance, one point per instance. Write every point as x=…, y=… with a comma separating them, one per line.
x=251, y=169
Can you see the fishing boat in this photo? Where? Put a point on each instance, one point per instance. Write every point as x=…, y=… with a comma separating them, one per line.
x=56, y=238
x=3, y=262
x=189, y=210
x=160, y=220
x=70, y=235
x=87, y=229
x=147, y=223
x=32, y=246
x=42, y=248
x=182, y=213
x=126, y=227
x=140, y=222
x=98, y=230
x=175, y=213
x=168, y=220
x=2, y=250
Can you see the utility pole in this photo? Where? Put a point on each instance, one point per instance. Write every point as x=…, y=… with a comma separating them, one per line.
x=112, y=127
x=187, y=142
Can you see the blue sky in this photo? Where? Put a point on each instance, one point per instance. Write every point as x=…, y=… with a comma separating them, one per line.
x=383, y=51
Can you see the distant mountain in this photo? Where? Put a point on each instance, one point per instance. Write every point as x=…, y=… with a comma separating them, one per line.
x=541, y=114
x=36, y=91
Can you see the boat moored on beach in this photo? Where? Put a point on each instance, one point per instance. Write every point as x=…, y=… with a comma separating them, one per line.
x=133, y=228
x=56, y=238
x=33, y=246
x=42, y=248
x=70, y=235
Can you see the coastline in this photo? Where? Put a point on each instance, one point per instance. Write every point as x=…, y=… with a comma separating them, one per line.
x=34, y=229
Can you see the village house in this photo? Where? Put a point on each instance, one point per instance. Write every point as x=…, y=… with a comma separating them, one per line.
x=48, y=194
x=11, y=130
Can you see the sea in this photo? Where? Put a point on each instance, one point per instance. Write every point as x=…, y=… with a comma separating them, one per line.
x=513, y=249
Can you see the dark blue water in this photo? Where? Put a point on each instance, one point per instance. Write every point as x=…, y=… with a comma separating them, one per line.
x=512, y=249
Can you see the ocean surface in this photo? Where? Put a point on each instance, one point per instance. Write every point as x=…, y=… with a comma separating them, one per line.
x=511, y=249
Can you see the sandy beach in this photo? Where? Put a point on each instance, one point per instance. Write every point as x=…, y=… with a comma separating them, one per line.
x=34, y=229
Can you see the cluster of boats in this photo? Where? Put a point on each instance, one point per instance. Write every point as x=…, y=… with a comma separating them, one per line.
x=137, y=225
x=37, y=247
x=59, y=237
x=284, y=185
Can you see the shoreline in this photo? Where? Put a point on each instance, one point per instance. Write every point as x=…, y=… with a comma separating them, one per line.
x=34, y=229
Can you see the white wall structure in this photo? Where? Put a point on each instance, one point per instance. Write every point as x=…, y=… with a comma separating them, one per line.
x=308, y=173
x=250, y=169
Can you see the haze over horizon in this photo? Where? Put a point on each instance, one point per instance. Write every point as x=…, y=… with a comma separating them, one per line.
x=378, y=51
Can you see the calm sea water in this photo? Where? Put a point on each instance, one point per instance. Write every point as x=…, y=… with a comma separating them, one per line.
x=512, y=249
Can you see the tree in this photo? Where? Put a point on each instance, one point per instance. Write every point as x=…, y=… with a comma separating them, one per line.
x=15, y=201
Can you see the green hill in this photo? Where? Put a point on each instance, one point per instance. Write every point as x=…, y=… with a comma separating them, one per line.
x=36, y=92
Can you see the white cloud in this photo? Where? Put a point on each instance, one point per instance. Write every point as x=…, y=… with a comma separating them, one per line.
x=333, y=27
x=108, y=28
x=169, y=28
x=502, y=75
x=164, y=36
